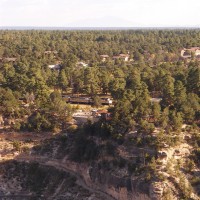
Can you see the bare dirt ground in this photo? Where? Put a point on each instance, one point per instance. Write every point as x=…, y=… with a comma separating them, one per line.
x=14, y=136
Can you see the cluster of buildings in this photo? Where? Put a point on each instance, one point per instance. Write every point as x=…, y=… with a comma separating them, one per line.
x=124, y=57
x=81, y=64
x=57, y=66
x=82, y=117
x=188, y=53
x=86, y=99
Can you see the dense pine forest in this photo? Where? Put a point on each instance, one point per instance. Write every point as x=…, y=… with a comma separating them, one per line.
x=155, y=69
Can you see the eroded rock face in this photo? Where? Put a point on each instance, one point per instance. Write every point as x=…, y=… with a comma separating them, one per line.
x=33, y=181
x=117, y=187
x=120, y=187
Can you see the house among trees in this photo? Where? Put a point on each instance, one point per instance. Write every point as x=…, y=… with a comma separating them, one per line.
x=116, y=57
x=56, y=67
x=104, y=57
x=81, y=64
x=155, y=100
x=124, y=57
x=103, y=114
x=187, y=53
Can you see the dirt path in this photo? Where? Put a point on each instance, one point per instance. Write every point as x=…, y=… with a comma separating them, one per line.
x=64, y=167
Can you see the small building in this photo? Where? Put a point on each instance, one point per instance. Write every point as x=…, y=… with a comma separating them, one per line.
x=155, y=100
x=104, y=114
x=104, y=57
x=124, y=57
x=56, y=67
x=106, y=101
x=81, y=64
x=116, y=57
